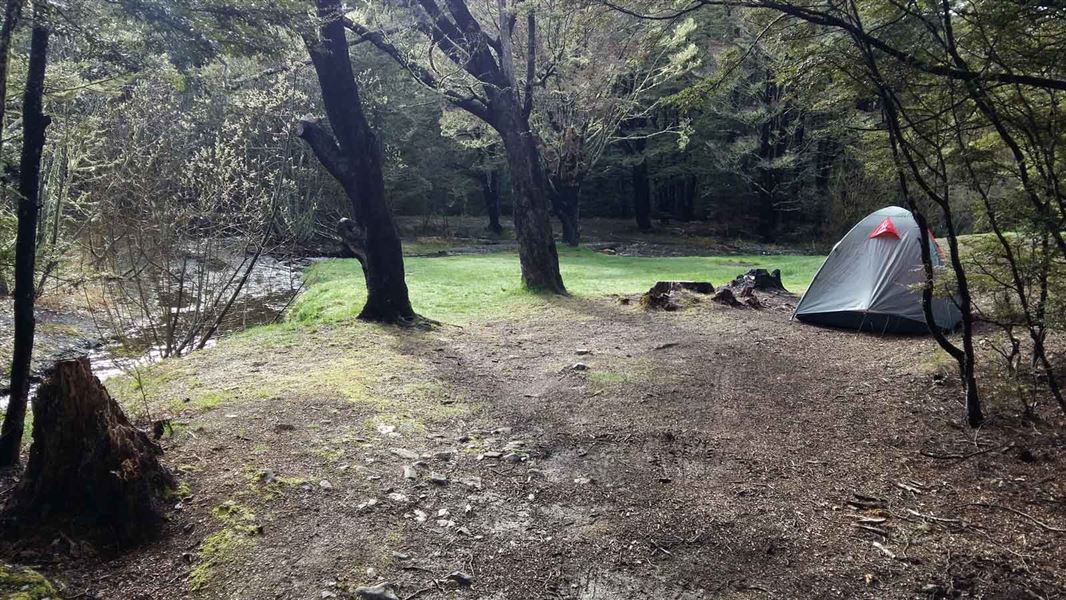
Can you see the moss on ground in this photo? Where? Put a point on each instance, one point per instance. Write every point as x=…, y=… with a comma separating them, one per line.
x=239, y=526
x=21, y=583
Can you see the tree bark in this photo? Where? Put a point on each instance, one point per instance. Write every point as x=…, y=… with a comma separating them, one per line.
x=34, y=123
x=490, y=191
x=536, y=245
x=353, y=155
x=566, y=205
x=490, y=60
x=90, y=471
x=12, y=13
x=642, y=195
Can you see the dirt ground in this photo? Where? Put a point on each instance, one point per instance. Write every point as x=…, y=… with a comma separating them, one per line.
x=595, y=452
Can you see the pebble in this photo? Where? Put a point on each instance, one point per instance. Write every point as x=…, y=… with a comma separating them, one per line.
x=325, y=485
x=471, y=482
x=461, y=578
x=378, y=592
x=404, y=453
x=583, y=352
x=438, y=478
x=579, y=367
x=410, y=473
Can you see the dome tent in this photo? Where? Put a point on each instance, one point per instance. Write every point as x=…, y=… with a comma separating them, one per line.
x=869, y=280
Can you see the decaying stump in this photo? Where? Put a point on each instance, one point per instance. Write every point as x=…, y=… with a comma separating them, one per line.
x=89, y=468
x=725, y=296
x=759, y=280
x=665, y=295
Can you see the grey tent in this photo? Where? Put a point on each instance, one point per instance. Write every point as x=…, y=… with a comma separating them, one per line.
x=868, y=282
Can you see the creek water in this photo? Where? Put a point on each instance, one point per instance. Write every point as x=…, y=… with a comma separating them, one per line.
x=271, y=285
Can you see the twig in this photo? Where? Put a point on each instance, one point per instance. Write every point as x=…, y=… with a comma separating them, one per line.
x=1038, y=522
x=963, y=456
x=934, y=518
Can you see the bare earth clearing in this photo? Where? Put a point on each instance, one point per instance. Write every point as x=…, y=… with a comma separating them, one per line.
x=707, y=453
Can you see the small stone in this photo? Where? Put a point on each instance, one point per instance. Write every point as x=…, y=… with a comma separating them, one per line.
x=371, y=573
x=386, y=429
x=266, y=476
x=583, y=480
x=579, y=367
x=461, y=578
x=492, y=454
x=378, y=592
x=471, y=482
x=404, y=453
x=410, y=473
x=420, y=516
x=444, y=455
x=327, y=594
x=444, y=512
x=401, y=556
x=438, y=478
x=325, y=485
x=398, y=498
x=583, y=352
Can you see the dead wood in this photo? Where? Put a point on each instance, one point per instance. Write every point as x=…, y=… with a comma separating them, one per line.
x=90, y=473
x=666, y=295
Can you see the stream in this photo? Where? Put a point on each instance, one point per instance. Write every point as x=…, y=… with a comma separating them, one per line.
x=66, y=330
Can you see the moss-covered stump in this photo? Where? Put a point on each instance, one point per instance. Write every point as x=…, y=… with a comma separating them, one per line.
x=90, y=471
x=20, y=583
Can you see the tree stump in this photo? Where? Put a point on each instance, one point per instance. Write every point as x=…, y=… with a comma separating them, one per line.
x=90, y=471
x=664, y=295
x=760, y=280
x=725, y=296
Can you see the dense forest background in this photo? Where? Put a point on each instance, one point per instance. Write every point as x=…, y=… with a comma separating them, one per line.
x=158, y=124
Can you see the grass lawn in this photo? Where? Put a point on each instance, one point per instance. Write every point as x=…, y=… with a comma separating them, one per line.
x=460, y=288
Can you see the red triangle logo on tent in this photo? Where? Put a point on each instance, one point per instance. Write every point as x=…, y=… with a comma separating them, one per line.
x=885, y=229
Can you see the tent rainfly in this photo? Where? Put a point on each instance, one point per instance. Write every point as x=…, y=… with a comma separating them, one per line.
x=869, y=281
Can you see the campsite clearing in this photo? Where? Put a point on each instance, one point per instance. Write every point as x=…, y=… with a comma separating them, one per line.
x=587, y=449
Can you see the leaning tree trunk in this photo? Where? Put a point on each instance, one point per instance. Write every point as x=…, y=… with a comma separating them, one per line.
x=34, y=123
x=90, y=471
x=353, y=155
x=537, y=254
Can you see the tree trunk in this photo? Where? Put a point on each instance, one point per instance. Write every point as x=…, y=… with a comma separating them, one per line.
x=12, y=13
x=490, y=191
x=536, y=244
x=642, y=195
x=90, y=471
x=566, y=205
x=353, y=155
x=34, y=123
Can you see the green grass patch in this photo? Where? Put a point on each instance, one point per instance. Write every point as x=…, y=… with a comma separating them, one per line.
x=464, y=288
